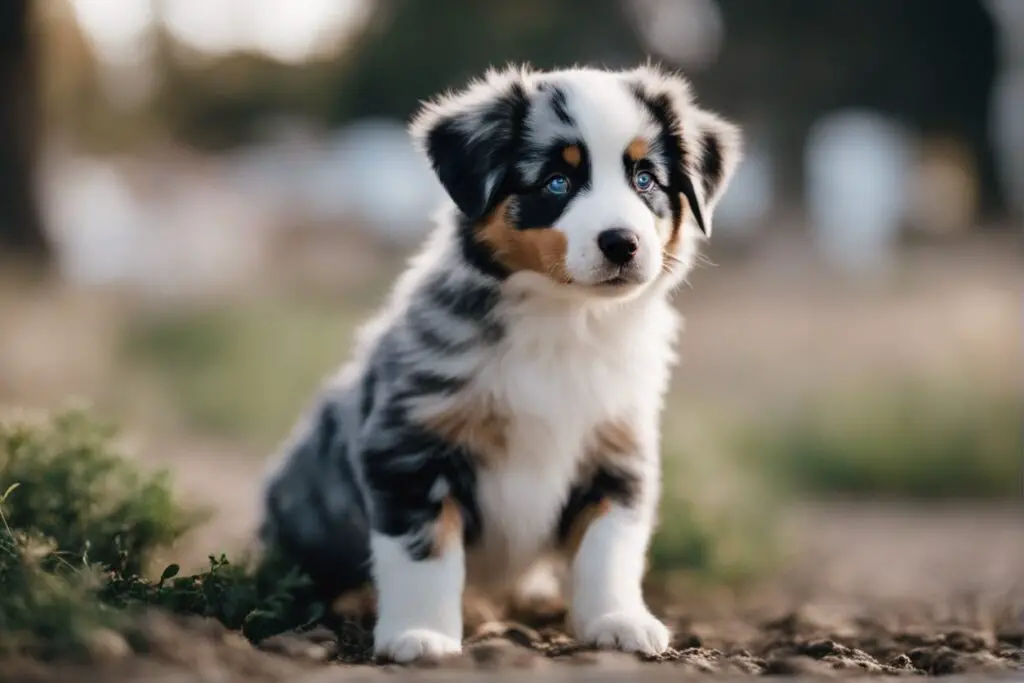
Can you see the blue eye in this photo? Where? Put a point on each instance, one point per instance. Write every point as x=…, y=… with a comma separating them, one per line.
x=643, y=181
x=558, y=184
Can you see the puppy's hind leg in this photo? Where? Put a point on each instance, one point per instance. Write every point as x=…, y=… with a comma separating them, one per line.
x=313, y=511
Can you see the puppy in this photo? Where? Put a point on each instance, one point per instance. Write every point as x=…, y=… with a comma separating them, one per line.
x=503, y=407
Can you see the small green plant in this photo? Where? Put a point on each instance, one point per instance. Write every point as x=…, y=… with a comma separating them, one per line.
x=79, y=525
x=259, y=600
x=74, y=487
x=46, y=599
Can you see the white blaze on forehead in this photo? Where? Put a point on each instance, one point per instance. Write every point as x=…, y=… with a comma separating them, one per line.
x=607, y=115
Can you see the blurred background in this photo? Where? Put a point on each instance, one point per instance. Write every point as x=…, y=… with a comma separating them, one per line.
x=200, y=199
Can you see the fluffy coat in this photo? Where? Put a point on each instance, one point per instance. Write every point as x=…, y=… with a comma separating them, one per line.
x=503, y=407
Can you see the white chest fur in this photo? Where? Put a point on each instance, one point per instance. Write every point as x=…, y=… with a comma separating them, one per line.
x=558, y=374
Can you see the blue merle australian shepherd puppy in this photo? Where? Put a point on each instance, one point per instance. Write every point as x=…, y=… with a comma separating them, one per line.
x=502, y=410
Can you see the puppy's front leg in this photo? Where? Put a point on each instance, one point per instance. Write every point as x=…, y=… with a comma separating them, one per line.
x=609, y=522
x=419, y=578
x=608, y=608
x=418, y=493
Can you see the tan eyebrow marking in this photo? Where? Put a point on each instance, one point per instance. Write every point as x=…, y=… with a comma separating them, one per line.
x=572, y=155
x=637, y=149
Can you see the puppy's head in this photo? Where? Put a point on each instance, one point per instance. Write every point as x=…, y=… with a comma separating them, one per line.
x=595, y=180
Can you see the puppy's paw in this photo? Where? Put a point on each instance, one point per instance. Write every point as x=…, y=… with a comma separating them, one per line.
x=634, y=631
x=416, y=645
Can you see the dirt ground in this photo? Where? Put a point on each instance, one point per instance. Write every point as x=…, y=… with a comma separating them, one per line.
x=867, y=591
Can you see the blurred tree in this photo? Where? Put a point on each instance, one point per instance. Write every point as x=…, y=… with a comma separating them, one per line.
x=413, y=49
x=409, y=50
x=218, y=104
x=21, y=226
x=930, y=64
x=70, y=94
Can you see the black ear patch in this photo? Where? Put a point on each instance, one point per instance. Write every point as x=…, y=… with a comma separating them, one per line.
x=718, y=154
x=471, y=138
x=687, y=190
x=710, y=167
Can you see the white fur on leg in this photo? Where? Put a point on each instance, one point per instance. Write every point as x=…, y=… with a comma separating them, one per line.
x=608, y=608
x=419, y=602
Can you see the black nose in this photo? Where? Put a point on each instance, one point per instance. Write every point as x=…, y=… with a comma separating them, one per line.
x=618, y=245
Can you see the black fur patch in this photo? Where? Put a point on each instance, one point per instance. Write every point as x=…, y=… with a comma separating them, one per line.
x=535, y=206
x=427, y=383
x=367, y=394
x=331, y=546
x=712, y=168
x=402, y=472
x=466, y=161
x=606, y=483
x=560, y=106
x=472, y=301
x=429, y=335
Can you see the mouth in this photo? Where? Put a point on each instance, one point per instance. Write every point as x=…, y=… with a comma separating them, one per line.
x=616, y=281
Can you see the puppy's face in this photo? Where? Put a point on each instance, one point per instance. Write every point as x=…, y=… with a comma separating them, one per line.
x=592, y=179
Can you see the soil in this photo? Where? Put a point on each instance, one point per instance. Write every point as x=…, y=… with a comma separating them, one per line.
x=870, y=591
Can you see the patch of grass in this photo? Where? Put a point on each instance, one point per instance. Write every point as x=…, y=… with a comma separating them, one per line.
x=79, y=524
x=244, y=370
x=905, y=442
x=47, y=600
x=74, y=488
x=716, y=519
x=258, y=599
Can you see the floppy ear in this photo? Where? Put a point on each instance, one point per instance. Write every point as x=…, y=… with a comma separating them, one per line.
x=470, y=136
x=716, y=159
x=704, y=148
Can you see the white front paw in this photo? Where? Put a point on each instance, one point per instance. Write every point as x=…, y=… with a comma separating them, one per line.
x=415, y=645
x=633, y=631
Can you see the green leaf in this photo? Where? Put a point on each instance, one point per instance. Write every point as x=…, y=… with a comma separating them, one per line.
x=9, y=490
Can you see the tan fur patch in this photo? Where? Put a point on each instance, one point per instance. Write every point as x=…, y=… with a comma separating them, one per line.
x=448, y=527
x=541, y=250
x=584, y=519
x=473, y=423
x=572, y=155
x=356, y=603
x=613, y=438
x=670, y=248
x=637, y=149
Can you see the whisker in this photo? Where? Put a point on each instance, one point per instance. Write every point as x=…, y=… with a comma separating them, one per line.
x=705, y=260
